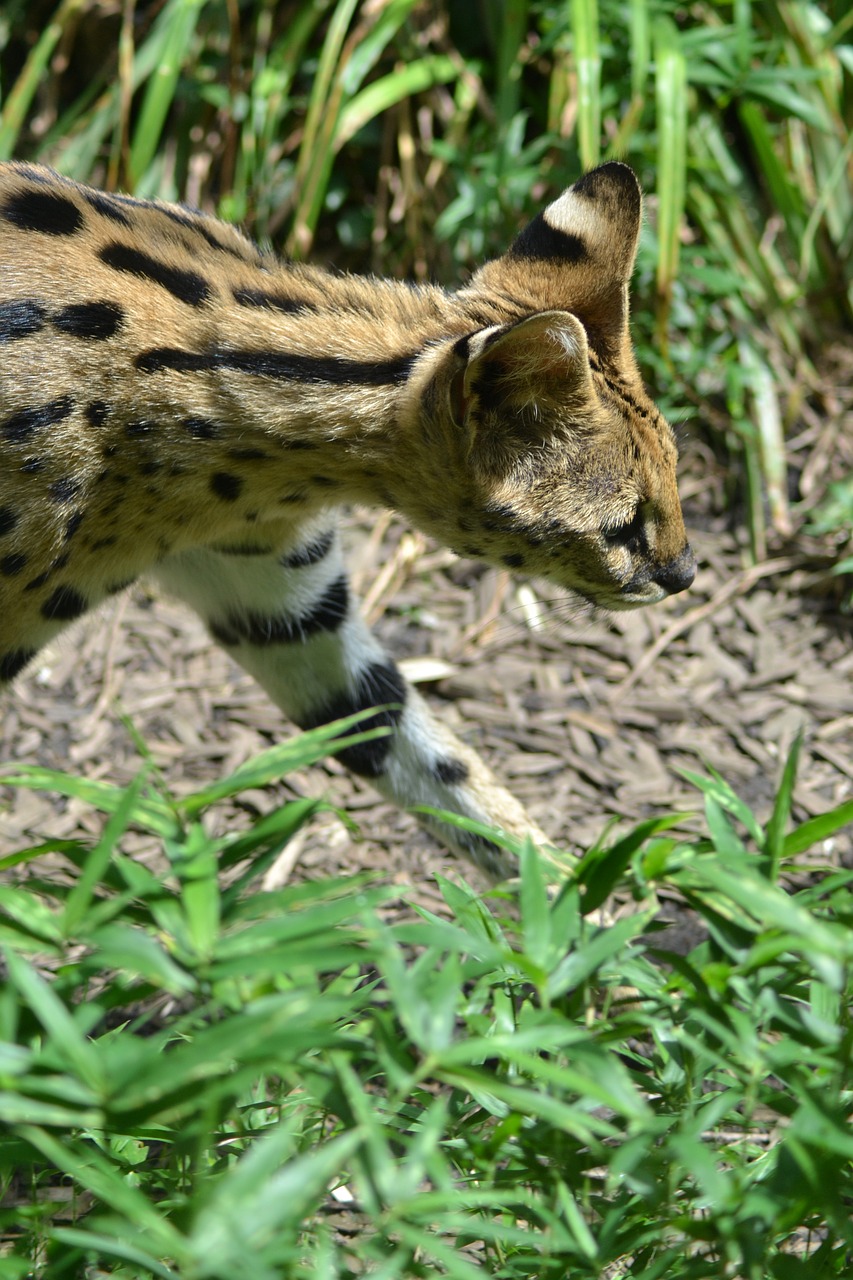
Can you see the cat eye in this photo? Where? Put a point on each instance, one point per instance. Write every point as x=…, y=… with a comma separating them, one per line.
x=629, y=533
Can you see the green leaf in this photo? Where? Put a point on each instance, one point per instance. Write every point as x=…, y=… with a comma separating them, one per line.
x=814, y=830
x=775, y=837
x=671, y=98
x=134, y=952
x=727, y=799
x=585, y=30
x=382, y=94
x=273, y=1185
x=19, y=1109
x=107, y=1246
x=91, y=1171
x=80, y=898
x=590, y=954
x=304, y=749
x=535, y=912
x=149, y=812
x=600, y=870
x=196, y=866
x=177, y=22
x=64, y=1034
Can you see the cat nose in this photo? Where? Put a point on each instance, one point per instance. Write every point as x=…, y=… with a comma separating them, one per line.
x=677, y=574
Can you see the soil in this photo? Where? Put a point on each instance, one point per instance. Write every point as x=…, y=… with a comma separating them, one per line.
x=588, y=719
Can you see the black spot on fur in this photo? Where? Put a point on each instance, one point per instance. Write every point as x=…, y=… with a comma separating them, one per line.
x=450, y=772
x=196, y=222
x=200, y=428
x=143, y=427
x=498, y=517
x=20, y=426
x=64, y=604
x=96, y=413
x=541, y=240
x=240, y=549
x=93, y=320
x=330, y=610
x=44, y=211
x=310, y=553
x=317, y=369
x=226, y=486
x=73, y=525
x=11, y=664
x=12, y=565
x=20, y=319
x=513, y=559
x=186, y=286
x=379, y=683
x=64, y=489
x=31, y=466
x=8, y=519
x=462, y=347
x=247, y=455
x=280, y=364
x=277, y=301
x=108, y=208
x=326, y=614
x=173, y=358
x=35, y=173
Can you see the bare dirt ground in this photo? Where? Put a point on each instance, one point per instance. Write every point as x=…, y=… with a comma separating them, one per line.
x=585, y=718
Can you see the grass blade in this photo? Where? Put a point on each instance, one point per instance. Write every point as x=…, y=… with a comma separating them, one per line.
x=585, y=29
x=21, y=95
x=178, y=20
x=671, y=97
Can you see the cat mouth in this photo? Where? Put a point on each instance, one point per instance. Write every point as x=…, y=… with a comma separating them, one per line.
x=638, y=598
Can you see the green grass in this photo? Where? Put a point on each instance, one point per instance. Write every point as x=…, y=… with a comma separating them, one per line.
x=199, y=1077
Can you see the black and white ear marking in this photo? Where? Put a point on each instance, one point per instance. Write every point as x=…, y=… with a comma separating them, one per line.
x=597, y=220
x=542, y=239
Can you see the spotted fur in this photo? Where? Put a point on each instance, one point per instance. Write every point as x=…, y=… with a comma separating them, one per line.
x=175, y=402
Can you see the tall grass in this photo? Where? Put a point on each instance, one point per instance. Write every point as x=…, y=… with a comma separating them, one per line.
x=199, y=1078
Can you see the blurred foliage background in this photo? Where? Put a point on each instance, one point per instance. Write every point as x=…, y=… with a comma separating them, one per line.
x=412, y=137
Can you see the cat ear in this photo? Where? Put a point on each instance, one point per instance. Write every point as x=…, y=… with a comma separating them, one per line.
x=512, y=371
x=588, y=240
